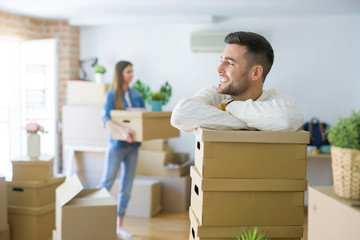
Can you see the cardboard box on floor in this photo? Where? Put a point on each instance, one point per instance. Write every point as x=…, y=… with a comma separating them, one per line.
x=251, y=154
x=155, y=145
x=199, y=232
x=5, y=233
x=146, y=125
x=33, y=193
x=233, y=202
x=85, y=93
x=175, y=192
x=31, y=223
x=153, y=162
x=145, y=198
x=331, y=217
x=3, y=205
x=84, y=213
x=26, y=169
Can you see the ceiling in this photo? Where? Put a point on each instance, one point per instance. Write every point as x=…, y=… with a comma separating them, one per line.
x=96, y=12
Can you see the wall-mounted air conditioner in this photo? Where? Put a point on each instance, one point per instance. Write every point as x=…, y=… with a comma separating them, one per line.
x=208, y=41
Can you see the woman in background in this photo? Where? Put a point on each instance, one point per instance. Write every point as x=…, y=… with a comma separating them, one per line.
x=123, y=153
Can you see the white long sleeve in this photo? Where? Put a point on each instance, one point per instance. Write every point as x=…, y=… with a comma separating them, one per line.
x=270, y=112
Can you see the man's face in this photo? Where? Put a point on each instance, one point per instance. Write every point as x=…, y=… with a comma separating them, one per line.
x=233, y=71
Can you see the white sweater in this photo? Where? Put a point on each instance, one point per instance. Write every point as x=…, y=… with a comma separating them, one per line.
x=272, y=111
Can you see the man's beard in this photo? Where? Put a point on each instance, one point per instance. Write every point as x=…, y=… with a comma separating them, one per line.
x=237, y=86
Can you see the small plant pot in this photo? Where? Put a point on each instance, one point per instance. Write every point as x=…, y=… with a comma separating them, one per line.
x=99, y=77
x=346, y=172
x=156, y=105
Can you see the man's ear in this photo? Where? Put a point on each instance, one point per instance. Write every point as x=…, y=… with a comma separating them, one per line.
x=256, y=72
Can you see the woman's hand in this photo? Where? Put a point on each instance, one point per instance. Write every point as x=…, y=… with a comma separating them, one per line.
x=127, y=133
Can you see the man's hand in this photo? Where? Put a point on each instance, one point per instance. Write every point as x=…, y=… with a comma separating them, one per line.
x=128, y=134
x=218, y=106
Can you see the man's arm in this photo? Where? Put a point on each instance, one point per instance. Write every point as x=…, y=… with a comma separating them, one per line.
x=199, y=111
x=274, y=113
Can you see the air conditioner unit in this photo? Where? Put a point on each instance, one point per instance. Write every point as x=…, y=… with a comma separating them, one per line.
x=208, y=41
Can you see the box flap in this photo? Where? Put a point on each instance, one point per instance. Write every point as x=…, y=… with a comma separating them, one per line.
x=31, y=210
x=208, y=135
x=68, y=190
x=239, y=184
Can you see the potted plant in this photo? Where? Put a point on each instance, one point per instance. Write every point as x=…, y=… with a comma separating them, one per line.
x=248, y=235
x=99, y=73
x=345, y=156
x=33, y=139
x=155, y=99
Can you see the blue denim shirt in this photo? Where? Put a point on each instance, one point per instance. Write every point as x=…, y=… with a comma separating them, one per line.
x=109, y=104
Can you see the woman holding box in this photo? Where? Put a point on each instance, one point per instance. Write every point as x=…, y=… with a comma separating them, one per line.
x=118, y=152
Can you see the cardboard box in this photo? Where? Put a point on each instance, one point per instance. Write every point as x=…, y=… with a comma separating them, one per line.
x=85, y=93
x=84, y=213
x=146, y=125
x=26, y=169
x=177, y=170
x=331, y=217
x=175, y=192
x=251, y=154
x=31, y=223
x=234, y=202
x=82, y=125
x=32, y=193
x=155, y=145
x=145, y=198
x=5, y=233
x=153, y=162
x=3, y=205
x=199, y=232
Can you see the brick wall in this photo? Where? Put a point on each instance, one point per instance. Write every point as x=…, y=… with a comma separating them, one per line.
x=21, y=27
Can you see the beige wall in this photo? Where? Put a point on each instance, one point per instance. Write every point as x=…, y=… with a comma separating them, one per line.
x=27, y=28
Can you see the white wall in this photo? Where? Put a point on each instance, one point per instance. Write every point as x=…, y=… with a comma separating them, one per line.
x=316, y=60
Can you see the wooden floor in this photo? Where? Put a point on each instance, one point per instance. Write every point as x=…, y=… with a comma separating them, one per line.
x=166, y=226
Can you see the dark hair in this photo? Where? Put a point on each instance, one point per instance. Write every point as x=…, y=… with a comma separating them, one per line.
x=118, y=82
x=259, y=50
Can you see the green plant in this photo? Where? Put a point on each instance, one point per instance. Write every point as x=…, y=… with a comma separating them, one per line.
x=248, y=235
x=143, y=89
x=156, y=96
x=346, y=132
x=164, y=94
x=99, y=68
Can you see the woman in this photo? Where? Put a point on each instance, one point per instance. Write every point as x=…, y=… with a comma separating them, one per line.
x=123, y=153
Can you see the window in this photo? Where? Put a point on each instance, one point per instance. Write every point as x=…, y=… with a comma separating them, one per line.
x=28, y=87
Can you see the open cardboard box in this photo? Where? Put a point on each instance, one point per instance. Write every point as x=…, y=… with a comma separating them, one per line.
x=233, y=202
x=251, y=154
x=84, y=213
x=146, y=125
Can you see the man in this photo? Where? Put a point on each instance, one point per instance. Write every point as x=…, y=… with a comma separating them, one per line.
x=239, y=101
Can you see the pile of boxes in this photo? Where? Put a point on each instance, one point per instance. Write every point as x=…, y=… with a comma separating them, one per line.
x=31, y=198
x=243, y=179
x=4, y=226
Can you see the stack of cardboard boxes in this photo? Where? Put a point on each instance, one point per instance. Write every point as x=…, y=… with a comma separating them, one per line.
x=31, y=198
x=243, y=179
x=4, y=226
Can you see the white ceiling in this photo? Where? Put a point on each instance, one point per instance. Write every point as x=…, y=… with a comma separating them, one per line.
x=95, y=12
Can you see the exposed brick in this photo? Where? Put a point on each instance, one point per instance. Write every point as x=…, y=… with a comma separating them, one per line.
x=5, y=15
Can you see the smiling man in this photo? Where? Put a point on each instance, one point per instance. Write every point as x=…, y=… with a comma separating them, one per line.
x=239, y=101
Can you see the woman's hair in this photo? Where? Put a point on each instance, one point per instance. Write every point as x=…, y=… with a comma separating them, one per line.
x=117, y=82
x=259, y=50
